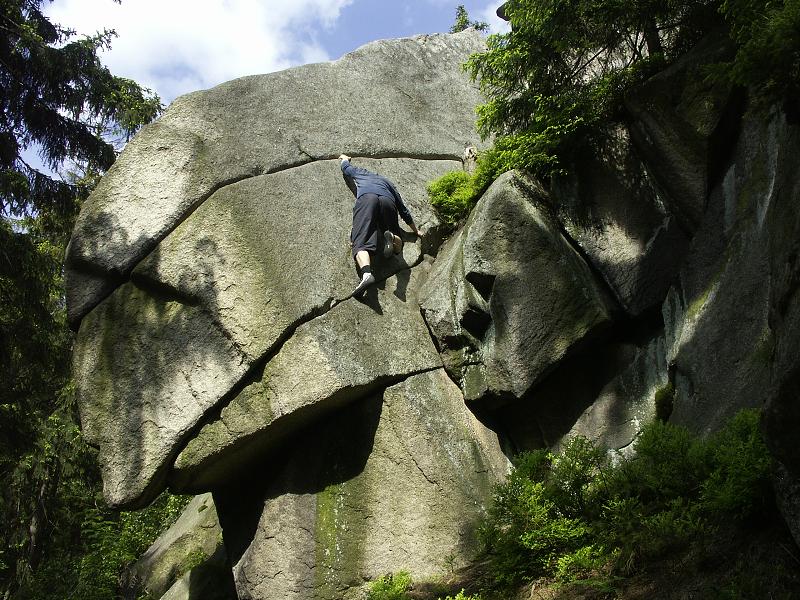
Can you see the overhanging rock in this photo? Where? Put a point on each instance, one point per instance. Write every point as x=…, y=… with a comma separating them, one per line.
x=349, y=353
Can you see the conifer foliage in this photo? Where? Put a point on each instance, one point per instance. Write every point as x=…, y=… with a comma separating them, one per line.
x=57, y=100
x=57, y=95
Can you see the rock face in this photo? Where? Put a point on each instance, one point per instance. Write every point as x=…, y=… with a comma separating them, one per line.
x=404, y=97
x=187, y=561
x=372, y=490
x=509, y=297
x=219, y=348
x=610, y=206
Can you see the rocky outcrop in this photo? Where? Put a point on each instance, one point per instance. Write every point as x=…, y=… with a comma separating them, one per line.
x=225, y=290
x=729, y=323
x=222, y=341
x=219, y=348
x=186, y=561
x=509, y=297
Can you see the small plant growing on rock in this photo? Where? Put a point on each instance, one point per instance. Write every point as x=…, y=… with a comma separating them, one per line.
x=390, y=587
x=460, y=596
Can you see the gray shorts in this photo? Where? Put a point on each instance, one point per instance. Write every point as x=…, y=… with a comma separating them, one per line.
x=372, y=215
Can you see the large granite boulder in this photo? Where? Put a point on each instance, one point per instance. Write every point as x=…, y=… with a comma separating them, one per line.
x=509, y=297
x=219, y=346
x=392, y=98
x=395, y=481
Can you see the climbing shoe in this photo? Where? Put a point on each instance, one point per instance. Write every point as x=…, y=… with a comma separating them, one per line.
x=388, y=244
x=366, y=280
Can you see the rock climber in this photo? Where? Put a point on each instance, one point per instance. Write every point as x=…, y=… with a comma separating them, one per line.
x=378, y=203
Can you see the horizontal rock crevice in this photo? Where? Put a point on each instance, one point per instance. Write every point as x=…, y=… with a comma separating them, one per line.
x=114, y=278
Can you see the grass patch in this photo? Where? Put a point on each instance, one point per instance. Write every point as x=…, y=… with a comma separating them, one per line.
x=391, y=587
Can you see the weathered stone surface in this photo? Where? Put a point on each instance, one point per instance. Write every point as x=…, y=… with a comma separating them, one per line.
x=611, y=209
x=388, y=483
x=211, y=580
x=404, y=97
x=266, y=253
x=191, y=541
x=733, y=326
x=509, y=297
x=228, y=286
x=627, y=403
x=606, y=393
x=680, y=129
x=348, y=353
x=146, y=369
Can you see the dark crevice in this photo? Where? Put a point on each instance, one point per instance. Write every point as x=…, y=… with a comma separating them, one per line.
x=722, y=141
x=259, y=445
x=482, y=282
x=476, y=322
x=665, y=396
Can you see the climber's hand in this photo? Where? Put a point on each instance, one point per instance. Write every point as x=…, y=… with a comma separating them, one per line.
x=344, y=157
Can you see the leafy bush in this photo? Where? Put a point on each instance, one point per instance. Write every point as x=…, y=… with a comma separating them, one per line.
x=390, y=587
x=455, y=193
x=452, y=196
x=577, y=516
x=767, y=35
x=108, y=541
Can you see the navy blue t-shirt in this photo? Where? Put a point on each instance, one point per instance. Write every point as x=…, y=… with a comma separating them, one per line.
x=368, y=182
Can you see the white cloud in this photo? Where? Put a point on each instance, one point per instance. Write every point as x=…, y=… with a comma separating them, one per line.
x=489, y=14
x=178, y=46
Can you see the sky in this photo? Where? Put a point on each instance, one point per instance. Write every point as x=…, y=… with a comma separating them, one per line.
x=179, y=46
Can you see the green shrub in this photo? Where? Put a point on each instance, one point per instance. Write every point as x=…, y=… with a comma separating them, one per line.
x=114, y=540
x=767, y=36
x=390, y=587
x=738, y=483
x=455, y=193
x=577, y=517
x=581, y=564
x=451, y=196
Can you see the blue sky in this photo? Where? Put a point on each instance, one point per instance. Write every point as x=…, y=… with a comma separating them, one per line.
x=178, y=46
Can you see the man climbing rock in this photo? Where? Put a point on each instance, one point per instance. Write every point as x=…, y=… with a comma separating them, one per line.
x=375, y=212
